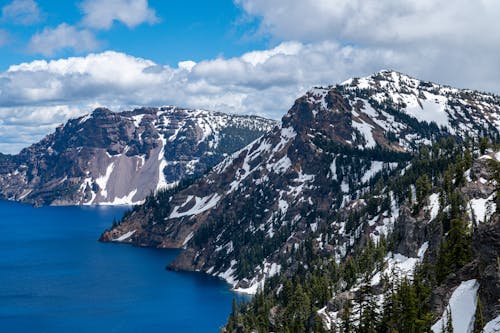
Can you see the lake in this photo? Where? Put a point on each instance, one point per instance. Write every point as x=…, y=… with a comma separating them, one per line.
x=56, y=277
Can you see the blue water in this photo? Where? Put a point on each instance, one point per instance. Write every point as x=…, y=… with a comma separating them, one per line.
x=56, y=277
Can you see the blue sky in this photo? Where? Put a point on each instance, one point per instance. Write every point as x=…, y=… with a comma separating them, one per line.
x=193, y=30
x=61, y=59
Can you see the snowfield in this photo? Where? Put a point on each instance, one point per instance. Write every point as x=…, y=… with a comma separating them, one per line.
x=462, y=305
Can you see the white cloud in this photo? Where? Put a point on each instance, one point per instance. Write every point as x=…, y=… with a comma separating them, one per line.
x=261, y=82
x=101, y=14
x=64, y=36
x=23, y=12
x=456, y=43
x=380, y=22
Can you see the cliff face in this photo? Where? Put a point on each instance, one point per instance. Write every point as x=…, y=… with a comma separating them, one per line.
x=332, y=145
x=120, y=158
x=341, y=170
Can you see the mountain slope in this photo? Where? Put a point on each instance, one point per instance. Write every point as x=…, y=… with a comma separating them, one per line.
x=330, y=145
x=120, y=158
x=308, y=186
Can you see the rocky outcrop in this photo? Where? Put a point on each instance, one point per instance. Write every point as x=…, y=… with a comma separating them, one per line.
x=121, y=157
x=334, y=177
x=333, y=146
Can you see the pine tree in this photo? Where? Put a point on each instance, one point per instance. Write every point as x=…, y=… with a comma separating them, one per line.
x=347, y=326
x=483, y=145
x=479, y=320
x=423, y=188
x=449, y=321
x=233, y=318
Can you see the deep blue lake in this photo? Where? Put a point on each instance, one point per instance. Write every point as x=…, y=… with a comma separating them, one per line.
x=56, y=277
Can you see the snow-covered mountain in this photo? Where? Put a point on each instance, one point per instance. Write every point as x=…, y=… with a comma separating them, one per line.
x=119, y=158
x=308, y=185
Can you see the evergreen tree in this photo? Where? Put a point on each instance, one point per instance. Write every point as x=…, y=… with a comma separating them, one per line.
x=233, y=318
x=449, y=321
x=483, y=145
x=347, y=326
x=423, y=188
x=479, y=318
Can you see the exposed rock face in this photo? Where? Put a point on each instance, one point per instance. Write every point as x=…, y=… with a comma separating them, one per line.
x=120, y=158
x=309, y=179
x=332, y=145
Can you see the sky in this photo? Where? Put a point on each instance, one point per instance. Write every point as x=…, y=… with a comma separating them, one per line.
x=61, y=59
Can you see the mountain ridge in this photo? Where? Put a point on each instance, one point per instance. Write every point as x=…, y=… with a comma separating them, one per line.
x=104, y=156
x=361, y=115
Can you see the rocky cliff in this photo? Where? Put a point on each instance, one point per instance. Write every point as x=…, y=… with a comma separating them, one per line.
x=339, y=171
x=120, y=157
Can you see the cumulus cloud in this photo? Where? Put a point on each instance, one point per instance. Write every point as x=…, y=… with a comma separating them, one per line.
x=379, y=21
x=23, y=12
x=64, y=36
x=324, y=42
x=260, y=82
x=101, y=14
x=456, y=42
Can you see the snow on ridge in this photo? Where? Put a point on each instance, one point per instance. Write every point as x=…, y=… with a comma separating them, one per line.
x=137, y=119
x=375, y=167
x=462, y=304
x=366, y=131
x=125, y=236
x=188, y=238
x=270, y=269
x=162, y=182
x=430, y=109
x=402, y=265
x=433, y=206
x=482, y=209
x=493, y=326
x=201, y=205
x=85, y=118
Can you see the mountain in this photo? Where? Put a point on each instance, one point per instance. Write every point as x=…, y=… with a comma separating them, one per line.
x=120, y=157
x=340, y=171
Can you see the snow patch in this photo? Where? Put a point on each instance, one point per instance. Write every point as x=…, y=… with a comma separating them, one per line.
x=463, y=308
x=482, y=209
x=493, y=326
x=103, y=180
x=124, y=236
x=201, y=205
x=433, y=207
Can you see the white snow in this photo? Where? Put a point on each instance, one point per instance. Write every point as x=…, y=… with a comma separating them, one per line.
x=85, y=118
x=124, y=236
x=125, y=200
x=103, y=180
x=282, y=165
x=24, y=194
x=333, y=169
x=483, y=208
x=137, y=119
x=493, y=326
x=188, y=238
x=375, y=168
x=270, y=269
x=433, y=108
x=400, y=264
x=228, y=274
x=463, y=308
x=366, y=131
x=433, y=206
x=201, y=205
x=162, y=183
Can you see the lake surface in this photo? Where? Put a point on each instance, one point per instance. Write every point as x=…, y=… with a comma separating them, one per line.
x=56, y=277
